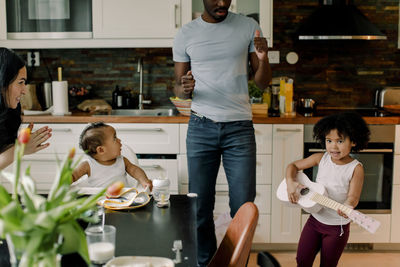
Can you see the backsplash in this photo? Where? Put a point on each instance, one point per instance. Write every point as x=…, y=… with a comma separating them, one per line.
x=333, y=73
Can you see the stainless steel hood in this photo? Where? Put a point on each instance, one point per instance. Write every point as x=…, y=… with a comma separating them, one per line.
x=338, y=20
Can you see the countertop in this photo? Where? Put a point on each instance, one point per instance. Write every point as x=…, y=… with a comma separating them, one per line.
x=82, y=117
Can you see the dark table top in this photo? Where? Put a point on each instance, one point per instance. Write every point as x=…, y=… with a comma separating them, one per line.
x=147, y=231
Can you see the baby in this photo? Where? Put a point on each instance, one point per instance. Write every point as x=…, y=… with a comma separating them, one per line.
x=106, y=165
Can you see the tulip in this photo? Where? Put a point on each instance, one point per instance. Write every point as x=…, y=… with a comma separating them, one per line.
x=114, y=190
x=71, y=153
x=24, y=136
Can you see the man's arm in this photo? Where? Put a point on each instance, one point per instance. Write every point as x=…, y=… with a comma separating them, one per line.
x=260, y=63
x=184, y=82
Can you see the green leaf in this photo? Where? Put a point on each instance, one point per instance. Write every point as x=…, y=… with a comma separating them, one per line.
x=74, y=240
x=27, y=201
x=5, y=198
x=45, y=220
x=12, y=216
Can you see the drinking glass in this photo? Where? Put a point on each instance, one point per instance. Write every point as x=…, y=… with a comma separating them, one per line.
x=101, y=244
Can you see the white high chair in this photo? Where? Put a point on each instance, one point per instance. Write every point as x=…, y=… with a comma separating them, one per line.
x=85, y=188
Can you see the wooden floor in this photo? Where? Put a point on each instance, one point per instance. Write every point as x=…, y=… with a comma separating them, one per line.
x=352, y=259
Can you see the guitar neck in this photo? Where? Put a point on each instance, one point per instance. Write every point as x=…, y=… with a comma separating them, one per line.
x=329, y=203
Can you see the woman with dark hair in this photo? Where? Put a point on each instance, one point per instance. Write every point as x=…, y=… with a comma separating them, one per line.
x=13, y=75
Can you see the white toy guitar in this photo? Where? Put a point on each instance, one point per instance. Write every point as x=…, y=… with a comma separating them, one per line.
x=313, y=197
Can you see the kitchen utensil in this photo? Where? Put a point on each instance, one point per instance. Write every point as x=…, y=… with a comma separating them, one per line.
x=387, y=96
x=392, y=108
x=306, y=106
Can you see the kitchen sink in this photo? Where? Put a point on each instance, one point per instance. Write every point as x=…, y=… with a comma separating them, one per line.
x=161, y=112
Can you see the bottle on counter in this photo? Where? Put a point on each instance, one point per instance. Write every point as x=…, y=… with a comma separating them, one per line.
x=282, y=95
x=117, y=98
x=273, y=110
x=289, y=97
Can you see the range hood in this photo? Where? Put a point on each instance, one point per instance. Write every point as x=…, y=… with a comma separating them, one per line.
x=338, y=20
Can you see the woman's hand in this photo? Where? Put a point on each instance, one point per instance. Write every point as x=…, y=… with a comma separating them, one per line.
x=37, y=139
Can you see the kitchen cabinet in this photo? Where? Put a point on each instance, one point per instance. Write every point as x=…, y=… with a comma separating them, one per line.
x=136, y=18
x=287, y=146
x=261, y=8
x=117, y=23
x=44, y=163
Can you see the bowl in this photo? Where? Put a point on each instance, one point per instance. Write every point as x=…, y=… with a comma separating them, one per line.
x=182, y=105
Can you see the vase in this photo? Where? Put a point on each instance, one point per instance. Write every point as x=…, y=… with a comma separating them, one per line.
x=20, y=258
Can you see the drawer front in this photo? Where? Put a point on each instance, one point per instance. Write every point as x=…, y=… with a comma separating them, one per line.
x=263, y=133
x=64, y=137
x=263, y=199
x=162, y=168
x=149, y=138
x=43, y=171
x=360, y=235
x=263, y=170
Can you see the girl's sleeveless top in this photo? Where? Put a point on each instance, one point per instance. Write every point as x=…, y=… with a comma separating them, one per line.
x=336, y=180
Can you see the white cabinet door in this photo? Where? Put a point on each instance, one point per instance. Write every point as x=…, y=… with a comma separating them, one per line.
x=287, y=146
x=3, y=20
x=136, y=18
x=264, y=9
x=162, y=168
x=149, y=138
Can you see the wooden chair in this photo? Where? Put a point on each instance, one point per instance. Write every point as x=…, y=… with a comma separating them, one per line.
x=234, y=249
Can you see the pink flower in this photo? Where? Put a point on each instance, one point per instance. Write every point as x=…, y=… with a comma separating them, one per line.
x=24, y=136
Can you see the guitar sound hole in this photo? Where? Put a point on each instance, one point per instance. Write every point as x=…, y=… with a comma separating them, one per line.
x=304, y=191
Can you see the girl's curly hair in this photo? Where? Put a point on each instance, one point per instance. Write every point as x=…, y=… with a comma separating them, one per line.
x=348, y=124
x=92, y=137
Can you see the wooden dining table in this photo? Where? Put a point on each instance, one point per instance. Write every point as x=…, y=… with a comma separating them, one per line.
x=147, y=231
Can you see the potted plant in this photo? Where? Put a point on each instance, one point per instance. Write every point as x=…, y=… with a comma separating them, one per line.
x=39, y=229
x=255, y=93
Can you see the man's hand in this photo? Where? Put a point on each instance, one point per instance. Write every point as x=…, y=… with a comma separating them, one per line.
x=261, y=46
x=188, y=82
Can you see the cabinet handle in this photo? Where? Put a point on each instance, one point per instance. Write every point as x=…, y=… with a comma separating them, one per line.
x=176, y=9
x=65, y=130
x=155, y=166
x=139, y=129
x=222, y=193
x=288, y=130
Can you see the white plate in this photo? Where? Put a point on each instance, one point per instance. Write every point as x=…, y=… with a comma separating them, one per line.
x=140, y=261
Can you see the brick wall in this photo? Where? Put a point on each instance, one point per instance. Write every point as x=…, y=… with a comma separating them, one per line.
x=334, y=73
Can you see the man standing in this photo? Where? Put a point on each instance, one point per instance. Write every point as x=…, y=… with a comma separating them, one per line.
x=211, y=56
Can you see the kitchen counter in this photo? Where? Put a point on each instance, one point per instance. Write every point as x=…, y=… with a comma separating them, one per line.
x=83, y=117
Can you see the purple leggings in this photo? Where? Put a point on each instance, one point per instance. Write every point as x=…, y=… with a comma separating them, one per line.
x=318, y=236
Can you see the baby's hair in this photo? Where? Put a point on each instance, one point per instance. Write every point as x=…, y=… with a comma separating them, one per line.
x=92, y=137
x=348, y=124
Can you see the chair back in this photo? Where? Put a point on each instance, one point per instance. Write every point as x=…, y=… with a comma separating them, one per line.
x=234, y=249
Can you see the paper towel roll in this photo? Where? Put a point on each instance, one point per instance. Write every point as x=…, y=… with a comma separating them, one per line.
x=60, y=97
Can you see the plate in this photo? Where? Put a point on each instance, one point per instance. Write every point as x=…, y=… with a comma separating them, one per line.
x=140, y=261
x=392, y=108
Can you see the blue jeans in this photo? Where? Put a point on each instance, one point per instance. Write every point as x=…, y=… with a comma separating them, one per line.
x=207, y=141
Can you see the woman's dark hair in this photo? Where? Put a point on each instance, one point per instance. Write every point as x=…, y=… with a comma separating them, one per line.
x=348, y=124
x=10, y=64
x=92, y=137
x=10, y=119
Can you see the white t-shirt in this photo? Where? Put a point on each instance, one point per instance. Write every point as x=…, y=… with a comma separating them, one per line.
x=336, y=179
x=103, y=175
x=218, y=55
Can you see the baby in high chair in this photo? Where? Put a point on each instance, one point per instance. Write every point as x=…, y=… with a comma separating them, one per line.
x=105, y=164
